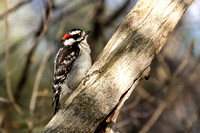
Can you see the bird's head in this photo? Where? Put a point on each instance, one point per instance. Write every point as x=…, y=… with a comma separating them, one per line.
x=73, y=36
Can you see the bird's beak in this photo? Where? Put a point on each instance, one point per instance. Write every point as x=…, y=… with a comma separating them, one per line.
x=88, y=32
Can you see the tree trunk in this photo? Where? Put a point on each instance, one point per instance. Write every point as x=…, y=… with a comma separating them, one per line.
x=94, y=106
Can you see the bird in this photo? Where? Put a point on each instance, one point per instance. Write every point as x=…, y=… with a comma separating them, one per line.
x=71, y=64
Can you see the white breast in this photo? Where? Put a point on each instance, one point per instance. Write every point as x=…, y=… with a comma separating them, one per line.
x=80, y=66
x=78, y=71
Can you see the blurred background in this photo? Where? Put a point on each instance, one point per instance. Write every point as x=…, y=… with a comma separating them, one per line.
x=30, y=34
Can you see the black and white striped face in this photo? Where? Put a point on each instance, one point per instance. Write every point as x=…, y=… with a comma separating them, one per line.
x=73, y=36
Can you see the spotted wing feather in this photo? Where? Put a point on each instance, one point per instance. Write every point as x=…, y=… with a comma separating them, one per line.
x=63, y=64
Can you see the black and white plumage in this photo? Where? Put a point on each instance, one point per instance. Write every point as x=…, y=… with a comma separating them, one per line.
x=71, y=64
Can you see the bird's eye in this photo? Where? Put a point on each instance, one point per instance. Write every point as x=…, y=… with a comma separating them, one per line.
x=76, y=36
x=66, y=36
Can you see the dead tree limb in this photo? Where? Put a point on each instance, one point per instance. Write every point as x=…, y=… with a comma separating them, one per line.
x=123, y=62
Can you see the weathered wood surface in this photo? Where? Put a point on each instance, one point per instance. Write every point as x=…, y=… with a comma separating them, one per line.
x=127, y=55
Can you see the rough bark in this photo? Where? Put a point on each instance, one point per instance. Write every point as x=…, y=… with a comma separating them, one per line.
x=123, y=62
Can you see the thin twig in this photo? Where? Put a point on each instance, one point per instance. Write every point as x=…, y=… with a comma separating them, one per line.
x=171, y=96
x=61, y=27
x=20, y=3
x=165, y=66
x=30, y=52
x=185, y=60
x=192, y=119
x=98, y=27
x=66, y=11
x=109, y=122
x=2, y=117
x=132, y=104
x=36, y=86
x=8, y=80
x=37, y=80
x=143, y=93
x=53, y=19
x=5, y=100
x=162, y=106
x=44, y=29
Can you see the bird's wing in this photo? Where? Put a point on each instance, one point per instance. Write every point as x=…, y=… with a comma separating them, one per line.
x=65, y=58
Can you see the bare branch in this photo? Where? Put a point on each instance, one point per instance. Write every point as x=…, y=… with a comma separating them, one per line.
x=36, y=87
x=30, y=52
x=8, y=80
x=192, y=119
x=108, y=124
x=172, y=93
x=127, y=55
x=5, y=100
x=184, y=61
x=15, y=7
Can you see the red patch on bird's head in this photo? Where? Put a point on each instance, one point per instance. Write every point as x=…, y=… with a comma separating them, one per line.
x=66, y=36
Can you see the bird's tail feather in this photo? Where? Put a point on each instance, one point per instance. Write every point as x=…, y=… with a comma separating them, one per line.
x=57, y=106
